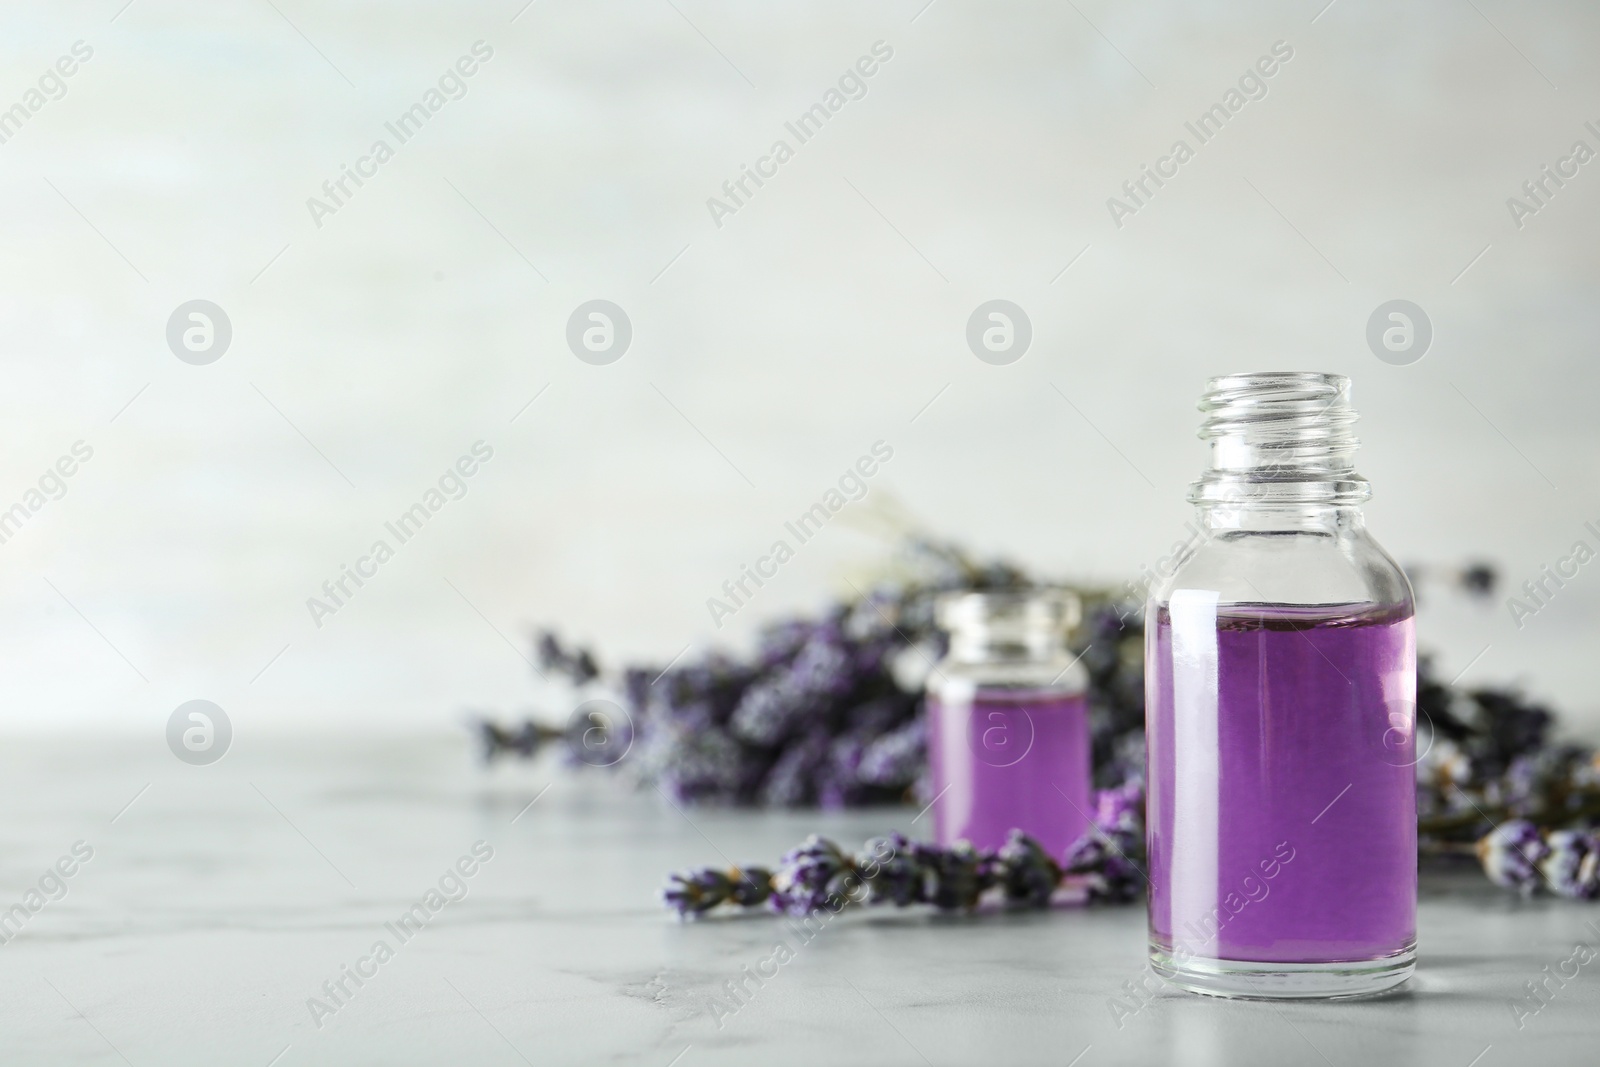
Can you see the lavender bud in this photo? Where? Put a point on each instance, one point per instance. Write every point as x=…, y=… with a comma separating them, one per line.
x=1510, y=854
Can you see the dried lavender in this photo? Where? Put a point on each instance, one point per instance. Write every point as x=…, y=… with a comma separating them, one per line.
x=1571, y=867
x=898, y=877
x=1110, y=857
x=898, y=871
x=1518, y=855
x=819, y=874
x=575, y=664
x=1026, y=872
x=826, y=711
x=698, y=891
x=702, y=890
x=802, y=882
x=524, y=740
x=1104, y=860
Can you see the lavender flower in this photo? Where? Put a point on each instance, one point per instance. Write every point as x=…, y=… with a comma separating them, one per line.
x=1510, y=855
x=576, y=664
x=780, y=642
x=770, y=711
x=636, y=687
x=801, y=883
x=752, y=886
x=1572, y=867
x=1121, y=808
x=696, y=892
x=696, y=764
x=1026, y=872
x=792, y=780
x=1105, y=861
x=823, y=667
x=839, y=785
x=896, y=758
x=955, y=877
x=899, y=877
x=524, y=740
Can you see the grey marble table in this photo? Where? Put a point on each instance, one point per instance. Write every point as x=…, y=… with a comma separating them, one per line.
x=223, y=908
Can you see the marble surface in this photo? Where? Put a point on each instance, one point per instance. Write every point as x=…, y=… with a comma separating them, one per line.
x=219, y=899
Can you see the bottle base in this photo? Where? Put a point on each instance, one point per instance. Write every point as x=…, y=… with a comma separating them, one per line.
x=1255, y=980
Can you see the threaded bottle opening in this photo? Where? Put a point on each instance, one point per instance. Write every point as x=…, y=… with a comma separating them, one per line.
x=1279, y=437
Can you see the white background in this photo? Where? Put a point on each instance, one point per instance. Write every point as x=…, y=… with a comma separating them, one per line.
x=824, y=316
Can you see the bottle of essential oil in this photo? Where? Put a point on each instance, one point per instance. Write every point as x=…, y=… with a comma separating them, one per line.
x=1008, y=730
x=1280, y=714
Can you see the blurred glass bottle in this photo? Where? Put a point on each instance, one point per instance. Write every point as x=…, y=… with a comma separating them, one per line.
x=1008, y=730
x=1280, y=716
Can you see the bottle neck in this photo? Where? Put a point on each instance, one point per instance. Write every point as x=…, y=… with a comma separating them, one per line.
x=1255, y=517
x=1024, y=626
x=982, y=645
x=1282, y=451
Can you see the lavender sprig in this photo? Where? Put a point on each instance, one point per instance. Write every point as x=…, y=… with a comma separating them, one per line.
x=1026, y=872
x=524, y=740
x=1104, y=860
x=807, y=875
x=1518, y=855
x=895, y=870
x=577, y=665
x=699, y=891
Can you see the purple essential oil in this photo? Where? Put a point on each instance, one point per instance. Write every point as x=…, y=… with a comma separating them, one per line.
x=1008, y=760
x=1282, y=824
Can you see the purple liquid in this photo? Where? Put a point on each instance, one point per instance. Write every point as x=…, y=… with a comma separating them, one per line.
x=1010, y=759
x=1282, y=791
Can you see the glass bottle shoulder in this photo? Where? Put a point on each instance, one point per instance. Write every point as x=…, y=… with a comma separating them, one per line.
x=1341, y=565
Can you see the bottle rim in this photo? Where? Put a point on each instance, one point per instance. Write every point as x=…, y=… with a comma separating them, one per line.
x=1279, y=438
x=1045, y=609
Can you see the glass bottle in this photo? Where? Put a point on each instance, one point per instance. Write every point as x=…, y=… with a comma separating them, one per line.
x=1008, y=729
x=1280, y=718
